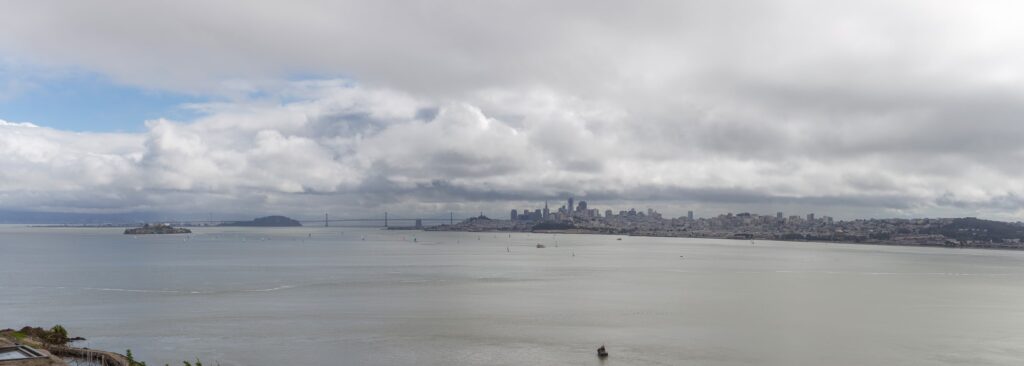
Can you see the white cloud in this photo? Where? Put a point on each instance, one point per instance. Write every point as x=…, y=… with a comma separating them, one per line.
x=350, y=147
x=877, y=107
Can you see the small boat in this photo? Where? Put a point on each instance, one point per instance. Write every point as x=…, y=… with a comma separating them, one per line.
x=601, y=352
x=619, y=239
x=541, y=246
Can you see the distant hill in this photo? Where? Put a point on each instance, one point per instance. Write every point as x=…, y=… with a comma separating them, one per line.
x=269, y=221
x=974, y=229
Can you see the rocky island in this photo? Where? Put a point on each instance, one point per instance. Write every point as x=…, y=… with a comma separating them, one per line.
x=269, y=221
x=156, y=229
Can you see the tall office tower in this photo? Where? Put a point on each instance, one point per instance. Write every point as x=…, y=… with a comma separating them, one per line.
x=546, y=212
x=778, y=215
x=607, y=213
x=689, y=215
x=810, y=217
x=515, y=215
x=569, y=207
x=582, y=207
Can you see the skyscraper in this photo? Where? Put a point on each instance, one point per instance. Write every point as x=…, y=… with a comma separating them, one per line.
x=569, y=206
x=514, y=215
x=689, y=215
x=778, y=215
x=546, y=212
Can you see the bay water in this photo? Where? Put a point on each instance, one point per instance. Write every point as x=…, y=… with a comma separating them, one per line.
x=365, y=296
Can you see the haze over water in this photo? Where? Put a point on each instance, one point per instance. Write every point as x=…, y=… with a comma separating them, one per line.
x=276, y=296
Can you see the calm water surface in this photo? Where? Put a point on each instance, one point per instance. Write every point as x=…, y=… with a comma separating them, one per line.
x=326, y=296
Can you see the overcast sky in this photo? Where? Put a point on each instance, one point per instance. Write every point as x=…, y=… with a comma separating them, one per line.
x=844, y=108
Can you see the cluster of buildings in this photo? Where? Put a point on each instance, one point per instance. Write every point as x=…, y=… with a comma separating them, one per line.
x=579, y=217
x=567, y=212
x=571, y=213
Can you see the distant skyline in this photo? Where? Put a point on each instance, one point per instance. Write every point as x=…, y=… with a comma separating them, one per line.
x=867, y=109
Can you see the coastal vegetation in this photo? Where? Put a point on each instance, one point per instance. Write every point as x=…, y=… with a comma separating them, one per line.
x=55, y=336
x=56, y=340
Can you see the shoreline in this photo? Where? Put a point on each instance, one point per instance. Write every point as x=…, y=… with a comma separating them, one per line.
x=599, y=232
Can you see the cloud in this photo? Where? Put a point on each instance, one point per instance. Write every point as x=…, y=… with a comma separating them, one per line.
x=340, y=146
x=874, y=107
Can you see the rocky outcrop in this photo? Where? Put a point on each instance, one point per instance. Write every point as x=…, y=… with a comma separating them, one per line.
x=156, y=229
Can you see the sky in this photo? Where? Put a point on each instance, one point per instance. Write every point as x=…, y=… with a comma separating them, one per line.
x=188, y=108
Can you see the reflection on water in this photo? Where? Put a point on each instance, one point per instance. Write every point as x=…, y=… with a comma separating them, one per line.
x=260, y=296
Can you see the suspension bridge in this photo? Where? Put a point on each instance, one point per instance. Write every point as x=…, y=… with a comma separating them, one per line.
x=382, y=221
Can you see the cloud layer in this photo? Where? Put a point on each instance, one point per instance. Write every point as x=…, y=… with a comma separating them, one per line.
x=869, y=109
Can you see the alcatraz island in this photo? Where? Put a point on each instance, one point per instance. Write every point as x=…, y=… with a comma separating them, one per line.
x=156, y=229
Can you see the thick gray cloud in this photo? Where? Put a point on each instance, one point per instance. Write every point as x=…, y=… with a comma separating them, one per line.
x=876, y=108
